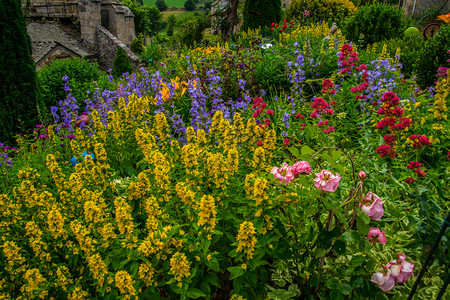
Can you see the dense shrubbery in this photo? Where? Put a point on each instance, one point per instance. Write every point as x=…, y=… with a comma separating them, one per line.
x=323, y=10
x=374, y=23
x=122, y=63
x=431, y=56
x=261, y=13
x=81, y=74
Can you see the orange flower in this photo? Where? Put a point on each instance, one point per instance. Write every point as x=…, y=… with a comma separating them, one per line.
x=445, y=18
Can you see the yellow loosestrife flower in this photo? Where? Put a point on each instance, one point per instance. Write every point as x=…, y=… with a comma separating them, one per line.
x=246, y=239
x=207, y=214
x=124, y=283
x=179, y=266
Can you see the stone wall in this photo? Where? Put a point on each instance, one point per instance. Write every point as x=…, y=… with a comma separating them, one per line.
x=52, y=8
x=90, y=19
x=422, y=5
x=107, y=47
x=120, y=21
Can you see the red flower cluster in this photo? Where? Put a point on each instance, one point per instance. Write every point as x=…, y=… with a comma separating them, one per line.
x=283, y=27
x=347, y=58
x=322, y=123
x=327, y=87
x=419, y=141
x=386, y=150
x=416, y=167
x=392, y=109
x=321, y=106
x=260, y=105
x=299, y=116
x=410, y=180
x=329, y=130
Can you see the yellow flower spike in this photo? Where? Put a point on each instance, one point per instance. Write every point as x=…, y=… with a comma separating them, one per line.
x=246, y=239
x=179, y=267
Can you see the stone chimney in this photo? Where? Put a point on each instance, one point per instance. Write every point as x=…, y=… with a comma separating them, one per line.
x=90, y=19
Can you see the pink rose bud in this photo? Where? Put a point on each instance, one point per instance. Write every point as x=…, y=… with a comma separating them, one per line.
x=284, y=174
x=326, y=181
x=372, y=206
x=376, y=235
x=301, y=167
x=384, y=281
x=362, y=175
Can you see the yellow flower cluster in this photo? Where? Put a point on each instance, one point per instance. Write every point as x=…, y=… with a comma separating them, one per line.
x=179, y=266
x=442, y=95
x=246, y=239
x=124, y=283
x=207, y=214
x=34, y=281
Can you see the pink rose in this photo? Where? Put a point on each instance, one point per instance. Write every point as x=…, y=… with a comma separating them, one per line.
x=301, y=167
x=284, y=174
x=400, y=269
x=384, y=281
x=326, y=181
x=372, y=206
x=376, y=235
x=362, y=175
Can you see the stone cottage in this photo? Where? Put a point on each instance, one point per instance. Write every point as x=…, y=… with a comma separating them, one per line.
x=86, y=28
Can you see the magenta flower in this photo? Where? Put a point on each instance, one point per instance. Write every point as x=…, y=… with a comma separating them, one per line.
x=301, y=167
x=384, y=281
x=372, y=206
x=284, y=174
x=376, y=235
x=326, y=181
x=400, y=269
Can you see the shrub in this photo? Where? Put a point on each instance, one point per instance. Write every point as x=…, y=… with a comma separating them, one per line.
x=147, y=20
x=121, y=63
x=80, y=72
x=171, y=21
x=137, y=46
x=191, y=31
x=153, y=52
x=261, y=13
x=376, y=22
x=189, y=5
x=161, y=5
x=325, y=10
x=432, y=56
x=17, y=74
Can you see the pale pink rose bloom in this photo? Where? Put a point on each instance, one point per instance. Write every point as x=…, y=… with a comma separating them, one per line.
x=326, y=181
x=284, y=174
x=384, y=281
x=372, y=206
x=376, y=235
x=301, y=167
x=400, y=269
x=362, y=175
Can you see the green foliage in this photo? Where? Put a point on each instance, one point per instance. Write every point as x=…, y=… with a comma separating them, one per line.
x=121, y=63
x=432, y=56
x=324, y=10
x=191, y=31
x=18, y=85
x=261, y=13
x=147, y=20
x=161, y=5
x=137, y=46
x=189, y=5
x=81, y=74
x=375, y=22
x=153, y=51
x=171, y=21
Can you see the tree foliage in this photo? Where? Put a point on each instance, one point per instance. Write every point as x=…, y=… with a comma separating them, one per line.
x=121, y=63
x=161, y=5
x=18, y=84
x=189, y=5
x=147, y=20
x=261, y=13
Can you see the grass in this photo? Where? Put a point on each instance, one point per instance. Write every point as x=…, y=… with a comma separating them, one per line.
x=169, y=3
x=179, y=14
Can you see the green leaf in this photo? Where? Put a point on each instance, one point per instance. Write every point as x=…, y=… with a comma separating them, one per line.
x=328, y=158
x=336, y=154
x=319, y=252
x=294, y=151
x=339, y=247
x=307, y=150
x=194, y=293
x=235, y=272
x=213, y=279
x=345, y=288
x=357, y=260
x=362, y=227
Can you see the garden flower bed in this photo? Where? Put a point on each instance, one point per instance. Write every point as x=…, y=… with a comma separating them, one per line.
x=301, y=170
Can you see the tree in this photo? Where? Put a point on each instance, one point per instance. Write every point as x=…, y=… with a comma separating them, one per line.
x=147, y=20
x=161, y=5
x=261, y=13
x=189, y=5
x=225, y=17
x=121, y=63
x=171, y=21
x=18, y=84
